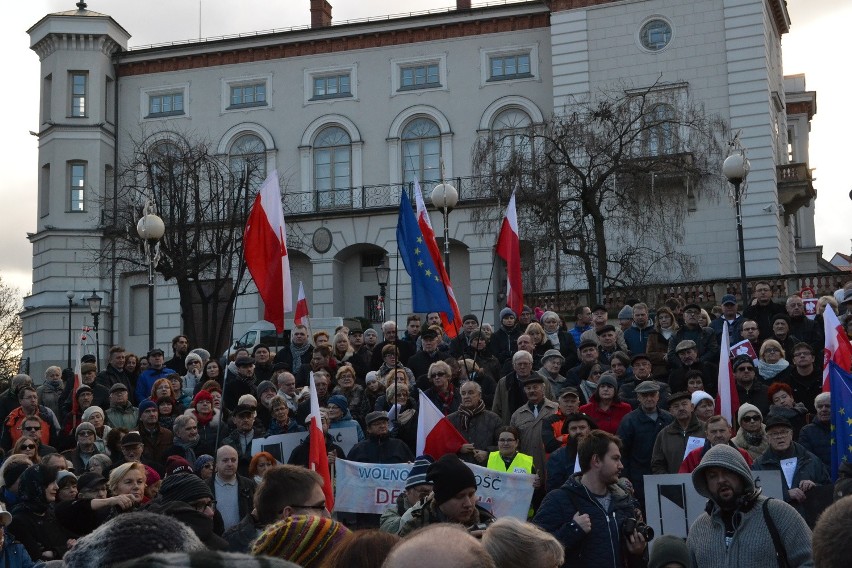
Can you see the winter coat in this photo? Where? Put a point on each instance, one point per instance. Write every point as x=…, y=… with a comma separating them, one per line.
x=382, y=449
x=604, y=545
x=657, y=350
x=157, y=442
x=816, y=438
x=240, y=536
x=504, y=343
x=347, y=422
x=49, y=395
x=705, y=342
x=754, y=450
x=693, y=458
x=122, y=417
x=709, y=376
x=638, y=432
x=481, y=431
x=235, y=440
x=245, y=493
x=735, y=329
x=146, y=381
x=607, y=420
x=201, y=524
x=805, y=388
x=355, y=398
x=208, y=433
x=756, y=394
x=808, y=467
x=391, y=519
x=637, y=339
x=426, y=512
x=762, y=315
x=300, y=454
x=508, y=397
x=14, y=554
x=670, y=445
x=530, y=427
x=560, y=466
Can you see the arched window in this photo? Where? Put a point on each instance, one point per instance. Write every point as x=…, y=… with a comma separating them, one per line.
x=333, y=168
x=247, y=160
x=166, y=167
x=421, y=151
x=660, y=130
x=510, y=130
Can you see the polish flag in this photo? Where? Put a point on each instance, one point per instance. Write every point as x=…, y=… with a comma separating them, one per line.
x=450, y=322
x=265, y=249
x=318, y=453
x=436, y=435
x=727, y=400
x=78, y=375
x=837, y=346
x=301, y=307
x=509, y=249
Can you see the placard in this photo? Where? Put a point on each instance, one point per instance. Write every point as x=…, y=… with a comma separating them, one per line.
x=282, y=445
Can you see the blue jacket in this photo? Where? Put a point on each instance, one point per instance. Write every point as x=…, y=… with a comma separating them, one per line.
x=637, y=339
x=14, y=555
x=735, y=329
x=638, y=433
x=816, y=438
x=603, y=546
x=146, y=381
x=560, y=466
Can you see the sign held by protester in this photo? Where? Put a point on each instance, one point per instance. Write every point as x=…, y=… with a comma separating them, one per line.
x=282, y=445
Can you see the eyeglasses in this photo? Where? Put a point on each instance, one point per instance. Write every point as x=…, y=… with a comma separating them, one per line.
x=750, y=419
x=86, y=434
x=437, y=374
x=741, y=368
x=772, y=350
x=749, y=329
x=200, y=507
x=803, y=354
x=780, y=434
x=32, y=428
x=28, y=447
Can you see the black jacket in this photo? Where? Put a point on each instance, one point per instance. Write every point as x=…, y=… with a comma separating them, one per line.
x=200, y=524
x=245, y=493
x=383, y=449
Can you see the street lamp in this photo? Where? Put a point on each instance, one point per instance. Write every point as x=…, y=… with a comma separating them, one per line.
x=736, y=168
x=94, y=302
x=382, y=275
x=445, y=197
x=70, y=295
x=151, y=229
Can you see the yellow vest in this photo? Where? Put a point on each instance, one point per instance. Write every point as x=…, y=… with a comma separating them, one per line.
x=521, y=464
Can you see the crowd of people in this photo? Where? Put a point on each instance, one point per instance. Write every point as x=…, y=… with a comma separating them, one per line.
x=149, y=454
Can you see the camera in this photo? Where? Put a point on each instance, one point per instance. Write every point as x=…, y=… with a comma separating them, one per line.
x=632, y=525
x=477, y=527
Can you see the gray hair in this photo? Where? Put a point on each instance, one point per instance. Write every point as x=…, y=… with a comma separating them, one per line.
x=388, y=324
x=181, y=422
x=515, y=544
x=52, y=367
x=477, y=386
x=822, y=397
x=521, y=355
x=550, y=315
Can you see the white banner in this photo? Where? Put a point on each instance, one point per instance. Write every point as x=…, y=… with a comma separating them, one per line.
x=282, y=445
x=372, y=488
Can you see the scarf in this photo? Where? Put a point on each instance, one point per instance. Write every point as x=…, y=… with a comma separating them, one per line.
x=667, y=333
x=204, y=420
x=446, y=399
x=753, y=439
x=297, y=353
x=769, y=370
x=588, y=388
x=467, y=415
x=788, y=413
x=188, y=448
x=554, y=338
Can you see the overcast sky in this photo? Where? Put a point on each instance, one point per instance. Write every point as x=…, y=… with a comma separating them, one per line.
x=818, y=45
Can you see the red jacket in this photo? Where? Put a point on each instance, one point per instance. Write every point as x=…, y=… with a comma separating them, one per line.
x=607, y=420
x=693, y=458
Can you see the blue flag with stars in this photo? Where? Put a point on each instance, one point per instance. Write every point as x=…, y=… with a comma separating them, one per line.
x=841, y=417
x=427, y=289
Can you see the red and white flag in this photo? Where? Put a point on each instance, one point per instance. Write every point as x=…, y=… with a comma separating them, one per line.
x=509, y=249
x=301, y=307
x=450, y=322
x=317, y=452
x=728, y=400
x=436, y=435
x=837, y=346
x=265, y=249
x=78, y=380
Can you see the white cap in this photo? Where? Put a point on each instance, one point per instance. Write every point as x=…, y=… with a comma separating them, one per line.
x=698, y=396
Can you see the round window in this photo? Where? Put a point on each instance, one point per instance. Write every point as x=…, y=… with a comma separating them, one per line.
x=655, y=34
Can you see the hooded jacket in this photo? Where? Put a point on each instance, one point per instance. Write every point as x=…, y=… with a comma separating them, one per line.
x=751, y=543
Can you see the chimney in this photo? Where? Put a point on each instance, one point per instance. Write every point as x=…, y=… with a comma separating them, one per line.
x=320, y=14
x=462, y=4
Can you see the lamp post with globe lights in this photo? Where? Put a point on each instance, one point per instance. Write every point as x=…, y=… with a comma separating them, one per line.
x=736, y=168
x=445, y=197
x=94, y=302
x=382, y=275
x=151, y=229
x=70, y=295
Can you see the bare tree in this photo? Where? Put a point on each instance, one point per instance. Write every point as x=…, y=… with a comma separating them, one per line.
x=604, y=186
x=204, y=199
x=10, y=330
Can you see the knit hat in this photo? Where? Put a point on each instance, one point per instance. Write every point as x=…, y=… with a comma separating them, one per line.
x=745, y=408
x=186, y=487
x=146, y=404
x=202, y=395
x=265, y=386
x=151, y=476
x=449, y=475
x=177, y=464
x=201, y=461
x=726, y=457
x=608, y=378
x=88, y=368
x=507, y=312
x=340, y=402
x=626, y=313
x=192, y=357
x=669, y=549
x=12, y=472
x=417, y=475
x=740, y=360
x=303, y=539
x=91, y=410
x=470, y=317
x=205, y=558
x=129, y=536
x=84, y=426
x=65, y=477
x=698, y=396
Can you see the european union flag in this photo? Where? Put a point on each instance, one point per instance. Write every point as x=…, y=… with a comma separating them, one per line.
x=841, y=417
x=428, y=293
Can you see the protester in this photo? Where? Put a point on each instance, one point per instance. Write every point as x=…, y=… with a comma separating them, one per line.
x=832, y=547
x=305, y=540
x=455, y=547
x=34, y=523
x=361, y=549
x=515, y=544
x=416, y=490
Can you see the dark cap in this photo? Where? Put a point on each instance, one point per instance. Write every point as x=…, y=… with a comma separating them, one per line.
x=117, y=387
x=605, y=329
x=608, y=378
x=429, y=334
x=569, y=391
x=449, y=476
x=598, y=308
x=354, y=330
x=587, y=343
x=470, y=317
x=729, y=299
x=244, y=409
x=684, y=345
x=532, y=379
x=90, y=481
x=777, y=421
x=155, y=351
x=131, y=438
x=88, y=358
x=375, y=415
x=739, y=360
x=692, y=305
x=680, y=395
x=83, y=388
x=647, y=387
x=781, y=316
x=244, y=362
x=640, y=357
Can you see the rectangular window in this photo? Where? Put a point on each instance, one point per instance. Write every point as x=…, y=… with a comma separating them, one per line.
x=44, y=192
x=248, y=95
x=165, y=104
x=77, y=173
x=332, y=87
x=46, y=99
x=109, y=97
x=138, y=310
x=419, y=77
x=510, y=67
x=79, y=86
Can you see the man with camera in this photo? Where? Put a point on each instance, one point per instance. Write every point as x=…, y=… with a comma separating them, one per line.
x=594, y=517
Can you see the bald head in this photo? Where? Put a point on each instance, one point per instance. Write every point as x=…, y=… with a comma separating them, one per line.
x=458, y=549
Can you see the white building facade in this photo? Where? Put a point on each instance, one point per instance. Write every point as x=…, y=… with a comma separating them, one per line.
x=349, y=114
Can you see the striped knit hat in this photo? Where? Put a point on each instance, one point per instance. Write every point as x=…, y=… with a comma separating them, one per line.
x=303, y=539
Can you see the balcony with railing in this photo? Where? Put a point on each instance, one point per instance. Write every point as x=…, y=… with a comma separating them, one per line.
x=795, y=187
x=377, y=197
